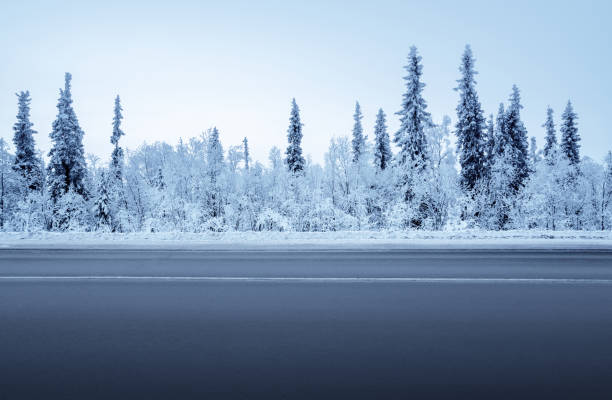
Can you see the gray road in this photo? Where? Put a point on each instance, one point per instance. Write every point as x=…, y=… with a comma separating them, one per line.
x=309, y=325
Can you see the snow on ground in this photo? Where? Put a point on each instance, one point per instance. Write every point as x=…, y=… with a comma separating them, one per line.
x=392, y=240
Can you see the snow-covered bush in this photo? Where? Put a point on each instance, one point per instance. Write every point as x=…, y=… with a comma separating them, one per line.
x=324, y=217
x=71, y=213
x=270, y=220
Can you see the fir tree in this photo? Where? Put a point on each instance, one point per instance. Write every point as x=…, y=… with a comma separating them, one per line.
x=67, y=167
x=490, y=145
x=470, y=125
x=245, y=144
x=518, y=138
x=117, y=156
x=27, y=164
x=358, y=139
x=215, y=155
x=215, y=169
x=413, y=116
x=102, y=208
x=382, y=147
x=499, y=193
x=502, y=140
x=295, y=161
x=115, y=179
x=569, y=135
x=550, y=146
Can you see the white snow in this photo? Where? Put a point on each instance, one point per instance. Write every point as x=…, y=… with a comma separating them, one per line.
x=341, y=240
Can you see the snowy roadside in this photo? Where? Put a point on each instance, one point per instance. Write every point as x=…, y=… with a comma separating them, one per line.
x=342, y=240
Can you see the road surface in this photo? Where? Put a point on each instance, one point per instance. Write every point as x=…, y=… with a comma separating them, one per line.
x=318, y=324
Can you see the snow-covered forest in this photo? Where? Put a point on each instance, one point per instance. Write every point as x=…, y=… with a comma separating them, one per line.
x=495, y=178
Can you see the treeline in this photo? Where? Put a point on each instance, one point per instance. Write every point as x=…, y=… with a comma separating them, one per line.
x=494, y=179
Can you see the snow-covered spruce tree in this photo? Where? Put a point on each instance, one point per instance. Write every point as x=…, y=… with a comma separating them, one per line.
x=117, y=156
x=102, y=207
x=569, y=135
x=382, y=146
x=295, y=161
x=494, y=198
x=215, y=155
x=358, y=141
x=517, y=133
x=28, y=208
x=67, y=167
x=246, y=154
x=215, y=167
x=27, y=163
x=470, y=125
x=362, y=197
x=413, y=117
x=572, y=180
x=411, y=160
x=502, y=138
x=118, y=205
x=550, y=145
x=490, y=146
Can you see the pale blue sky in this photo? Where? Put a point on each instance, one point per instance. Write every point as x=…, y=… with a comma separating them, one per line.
x=183, y=66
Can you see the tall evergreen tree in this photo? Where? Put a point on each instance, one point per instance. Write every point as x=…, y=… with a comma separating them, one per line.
x=118, y=200
x=245, y=151
x=215, y=168
x=501, y=194
x=215, y=154
x=358, y=139
x=517, y=133
x=413, y=116
x=382, y=147
x=550, y=145
x=569, y=135
x=470, y=125
x=27, y=163
x=67, y=167
x=102, y=208
x=117, y=156
x=490, y=145
x=502, y=140
x=295, y=160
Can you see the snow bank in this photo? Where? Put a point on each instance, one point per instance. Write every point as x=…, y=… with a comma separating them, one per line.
x=528, y=239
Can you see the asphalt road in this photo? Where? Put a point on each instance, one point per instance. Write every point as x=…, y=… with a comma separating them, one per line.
x=134, y=324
